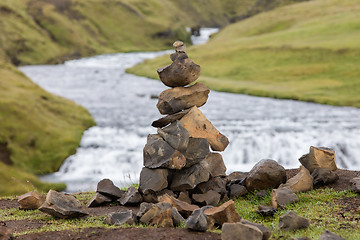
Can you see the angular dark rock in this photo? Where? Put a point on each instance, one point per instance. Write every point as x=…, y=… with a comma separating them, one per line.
x=164, y=121
x=327, y=235
x=98, y=199
x=31, y=200
x=301, y=182
x=323, y=176
x=216, y=164
x=144, y=207
x=163, y=215
x=355, y=184
x=106, y=187
x=180, y=98
x=265, y=174
x=237, y=190
x=319, y=158
x=190, y=177
x=266, y=211
x=178, y=56
x=210, y=198
x=184, y=197
x=158, y=153
x=282, y=196
x=218, y=184
x=185, y=209
x=236, y=176
x=131, y=197
x=290, y=221
x=153, y=179
x=225, y=213
x=175, y=135
x=149, y=196
x=240, y=231
x=197, y=150
x=265, y=230
x=62, y=206
x=198, y=221
x=120, y=218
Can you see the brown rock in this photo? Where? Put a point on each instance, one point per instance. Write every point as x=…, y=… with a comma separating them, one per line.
x=162, y=215
x=183, y=208
x=226, y=213
x=197, y=150
x=199, y=126
x=210, y=198
x=144, y=207
x=31, y=200
x=282, y=197
x=327, y=235
x=216, y=164
x=355, y=184
x=131, y=197
x=106, y=187
x=184, y=197
x=240, y=231
x=290, y=221
x=301, y=182
x=237, y=190
x=265, y=230
x=5, y=232
x=266, y=211
x=323, y=176
x=120, y=218
x=162, y=122
x=236, y=176
x=319, y=158
x=179, y=47
x=180, y=98
x=175, y=135
x=153, y=179
x=98, y=199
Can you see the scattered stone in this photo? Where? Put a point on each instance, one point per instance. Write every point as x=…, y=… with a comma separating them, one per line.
x=199, y=126
x=237, y=190
x=319, y=158
x=290, y=221
x=164, y=121
x=218, y=184
x=5, y=232
x=323, y=176
x=301, y=182
x=62, y=206
x=120, y=218
x=355, y=184
x=162, y=215
x=265, y=174
x=210, y=198
x=190, y=177
x=158, y=153
x=236, y=176
x=106, y=187
x=185, y=209
x=175, y=135
x=197, y=150
x=180, y=98
x=98, y=199
x=226, y=213
x=198, y=221
x=216, y=164
x=282, y=197
x=184, y=197
x=265, y=230
x=266, y=211
x=144, y=207
x=153, y=179
x=31, y=200
x=131, y=197
x=240, y=231
x=327, y=235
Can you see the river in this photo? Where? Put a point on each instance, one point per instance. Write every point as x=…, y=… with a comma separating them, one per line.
x=123, y=107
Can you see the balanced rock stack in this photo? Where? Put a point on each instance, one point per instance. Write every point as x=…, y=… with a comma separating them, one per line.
x=177, y=160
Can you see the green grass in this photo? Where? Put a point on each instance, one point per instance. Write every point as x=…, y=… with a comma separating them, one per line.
x=321, y=207
x=307, y=51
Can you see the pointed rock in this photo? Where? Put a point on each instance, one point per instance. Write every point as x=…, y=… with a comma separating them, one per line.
x=185, y=209
x=327, y=235
x=226, y=213
x=196, y=151
x=131, y=197
x=323, y=176
x=237, y=190
x=164, y=121
x=144, y=207
x=106, y=187
x=199, y=126
x=216, y=164
x=180, y=98
x=265, y=174
x=198, y=221
x=62, y=206
x=98, y=199
x=120, y=218
x=355, y=184
x=282, y=197
x=153, y=179
x=175, y=135
x=210, y=198
x=240, y=231
x=319, y=158
x=31, y=200
x=218, y=184
x=301, y=182
x=290, y=221
x=265, y=230
x=158, y=153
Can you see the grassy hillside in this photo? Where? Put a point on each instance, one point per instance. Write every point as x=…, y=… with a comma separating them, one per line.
x=307, y=51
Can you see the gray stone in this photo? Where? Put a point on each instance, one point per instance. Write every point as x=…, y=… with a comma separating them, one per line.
x=290, y=221
x=197, y=150
x=106, y=187
x=237, y=176
x=178, y=56
x=355, y=184
x=266, y=211
x=319, y=158
x=98, y=199
x=158, y=153
x=240, y=231
x=153, y=179
x=282, y=197
x=62, y=206
x=164, y=121
x=189, y=178
x=210, y=198
x=163, y=215
x=31, y=200
x=120, y=218
x=216, y=164
x=237, y=190
x=327, y=235
x=180, y=98
x=265, y=174
x=218, y=184
x=175, y=135
x=131, y=197
x=144, y=207
x=301, y=182
x=323, y=176
x=265, y=230
x=198, y=221
x=261, y=193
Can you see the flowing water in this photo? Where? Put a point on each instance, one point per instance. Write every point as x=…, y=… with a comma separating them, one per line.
x=123, y=105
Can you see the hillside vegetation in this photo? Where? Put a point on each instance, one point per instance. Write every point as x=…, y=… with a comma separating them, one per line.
x=307, y=51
